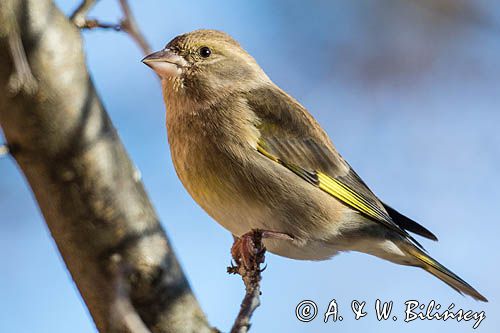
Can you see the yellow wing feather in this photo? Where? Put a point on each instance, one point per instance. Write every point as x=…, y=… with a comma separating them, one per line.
x=347, y=195
x=339, y=190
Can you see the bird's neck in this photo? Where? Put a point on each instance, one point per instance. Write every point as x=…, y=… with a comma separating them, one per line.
x=227, y=121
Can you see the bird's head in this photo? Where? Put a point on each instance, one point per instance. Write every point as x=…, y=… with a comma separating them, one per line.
x=204, y=65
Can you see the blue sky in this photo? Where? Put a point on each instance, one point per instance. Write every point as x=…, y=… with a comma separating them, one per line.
x=411, y=102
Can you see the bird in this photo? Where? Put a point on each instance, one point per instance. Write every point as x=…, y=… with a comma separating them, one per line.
x=254, y=158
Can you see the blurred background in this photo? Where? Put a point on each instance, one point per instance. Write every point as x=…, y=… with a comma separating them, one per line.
x=408, y=90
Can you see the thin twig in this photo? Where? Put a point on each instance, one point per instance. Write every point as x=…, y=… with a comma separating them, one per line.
x=94, y=24
x=250, y=274
x=249, y=304
x=129, y=25
x=248, y=253
x=79, y=16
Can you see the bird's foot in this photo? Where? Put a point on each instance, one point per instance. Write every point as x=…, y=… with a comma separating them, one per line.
x=248, y=251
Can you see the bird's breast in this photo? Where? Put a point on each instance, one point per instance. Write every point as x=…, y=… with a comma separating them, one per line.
x=209, y=156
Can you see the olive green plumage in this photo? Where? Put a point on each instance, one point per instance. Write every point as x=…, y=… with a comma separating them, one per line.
x=253, y=157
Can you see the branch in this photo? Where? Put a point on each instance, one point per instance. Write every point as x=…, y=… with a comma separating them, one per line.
x=79, y=16
x=94, y=24
x=87, y=188
x=21, y=79
x=248, y=253
x=249, y=304
x=123, y=310
x=127, y=24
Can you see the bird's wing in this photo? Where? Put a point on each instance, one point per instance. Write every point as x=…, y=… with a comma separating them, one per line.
x=408, y=224
x=291, y=137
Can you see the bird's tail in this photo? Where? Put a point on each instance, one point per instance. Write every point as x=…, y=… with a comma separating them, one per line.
x=423, y=260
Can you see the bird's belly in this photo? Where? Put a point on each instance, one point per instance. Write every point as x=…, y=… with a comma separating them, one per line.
x=262, y=194
x=240, y=217
x=211, y=185
x=231, y=208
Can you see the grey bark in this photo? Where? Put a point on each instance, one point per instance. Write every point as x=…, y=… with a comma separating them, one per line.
x=86, y=186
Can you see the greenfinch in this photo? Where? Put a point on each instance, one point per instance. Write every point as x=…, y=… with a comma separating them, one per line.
x=254, y=158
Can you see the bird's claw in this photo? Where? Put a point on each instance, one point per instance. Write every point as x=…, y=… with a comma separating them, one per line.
x=248, y=251
x=233, y=268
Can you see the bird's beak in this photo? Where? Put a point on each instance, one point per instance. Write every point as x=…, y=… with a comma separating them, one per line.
x=166, y=63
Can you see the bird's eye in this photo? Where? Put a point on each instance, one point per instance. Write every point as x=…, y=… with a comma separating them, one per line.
x=205, y=52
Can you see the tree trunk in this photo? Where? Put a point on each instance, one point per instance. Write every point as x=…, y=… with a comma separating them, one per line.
x=87, y=188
